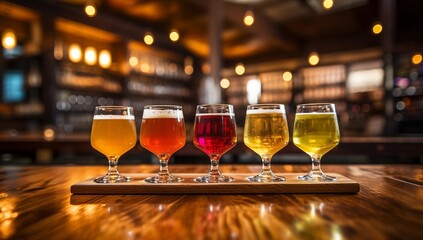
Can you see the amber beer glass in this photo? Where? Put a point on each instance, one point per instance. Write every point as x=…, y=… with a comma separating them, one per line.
x=316, y=132
x=266, y=132
x=113, y=133
x=163, y=133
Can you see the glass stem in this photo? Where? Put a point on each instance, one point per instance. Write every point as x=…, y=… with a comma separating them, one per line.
x=315, y=165
x=113, y=162
x=265, y=159
x=214, y=167
x=164, y=166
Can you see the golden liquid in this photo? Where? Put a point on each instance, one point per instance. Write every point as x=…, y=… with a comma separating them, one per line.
x=266, y=133
x=113, y=137
x=316, y=133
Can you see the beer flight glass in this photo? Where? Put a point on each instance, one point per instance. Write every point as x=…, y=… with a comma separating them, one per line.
x=266, y=132
x=214, y=134
x=113, y=133
x=163, y=133
x=316, y=132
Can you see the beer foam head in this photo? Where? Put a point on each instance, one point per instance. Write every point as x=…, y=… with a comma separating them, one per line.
x=265, y=111
x=114, y=117
x=215, y=114
x=155, y=113
x=317, y=113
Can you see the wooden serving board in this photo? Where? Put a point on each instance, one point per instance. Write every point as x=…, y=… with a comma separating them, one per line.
x=239, y=186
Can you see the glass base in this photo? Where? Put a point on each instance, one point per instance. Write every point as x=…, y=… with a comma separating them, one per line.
x=317, y=177
x=214, y=179
x=112, y=179
x=266, y=178
x=163, y=179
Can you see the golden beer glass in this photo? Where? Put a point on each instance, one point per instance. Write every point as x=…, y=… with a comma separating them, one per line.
x=316, y=132
x=266, y=132
x=163, y=133
x=113, y=133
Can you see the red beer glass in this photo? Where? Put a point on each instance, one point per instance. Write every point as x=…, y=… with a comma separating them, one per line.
x=214, y=134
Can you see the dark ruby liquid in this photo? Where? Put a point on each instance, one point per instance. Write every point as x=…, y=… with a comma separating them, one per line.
x=214, y=134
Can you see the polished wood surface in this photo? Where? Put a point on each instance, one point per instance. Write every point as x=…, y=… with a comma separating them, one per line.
x=36, y=203
x=240, y=186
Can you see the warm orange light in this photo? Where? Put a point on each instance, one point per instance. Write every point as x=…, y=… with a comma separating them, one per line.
x=148, y=38
x=416, y=58
x=224, y=83
x=377, y=28
x=145, y=67
x=188, y=69
x=174, y=35
x=90, y=9
x=75, y=53
x=287, y=76
x=240, y=69
x=58, y=50
x=49, y=134
x=249, y=18
x=327, y=4
x=90, y=56
x=105, y=59
x=133, y=61
x=313, y=58
x=8, y=39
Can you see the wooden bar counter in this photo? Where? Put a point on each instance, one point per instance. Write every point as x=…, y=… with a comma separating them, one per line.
x=36, y=203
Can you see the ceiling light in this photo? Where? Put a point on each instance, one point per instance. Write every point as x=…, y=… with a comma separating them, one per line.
x=90, y=9
x=377, y=28
x=105, y=59
x=174, y=35
x=224, y=83
x=240, y=69
x=148, y=38
x=75, y=53
x=90, y=56
x=416, y=58
x=8, y=39
x=287, y=76
x=327, y=4
x=313, y=58
x=249, y=18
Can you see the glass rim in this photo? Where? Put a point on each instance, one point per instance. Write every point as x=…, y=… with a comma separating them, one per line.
x=266, y=105
x=214, y=105
x=215, y=108
x=163, y=106
x=114, y=107
x=315, y=104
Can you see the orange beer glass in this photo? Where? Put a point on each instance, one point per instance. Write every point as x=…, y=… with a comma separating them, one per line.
x=163, y=133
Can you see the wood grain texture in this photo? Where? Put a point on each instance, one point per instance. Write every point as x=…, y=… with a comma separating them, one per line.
x=36, y=204
x=239, y=186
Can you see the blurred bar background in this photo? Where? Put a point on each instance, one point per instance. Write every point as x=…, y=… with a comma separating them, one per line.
x=61, y=58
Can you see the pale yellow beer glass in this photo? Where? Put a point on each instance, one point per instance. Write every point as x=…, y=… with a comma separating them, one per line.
x=266, y=132
x=316, y=132
x=113, y=133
